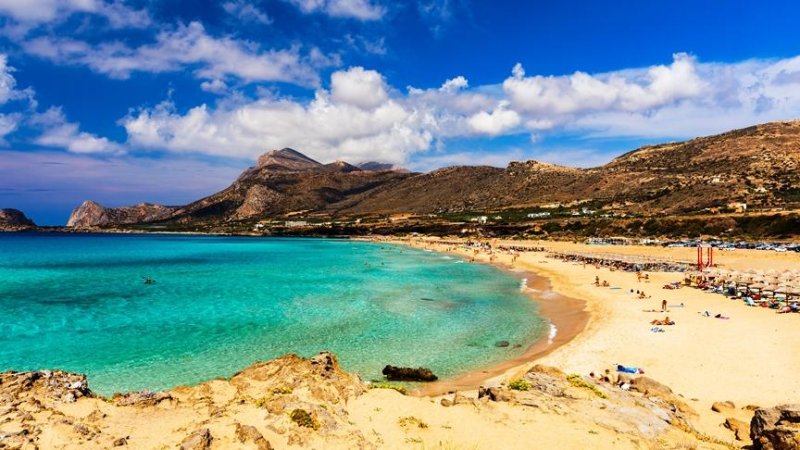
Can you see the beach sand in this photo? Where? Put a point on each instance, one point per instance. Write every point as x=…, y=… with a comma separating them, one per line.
x=747, y=359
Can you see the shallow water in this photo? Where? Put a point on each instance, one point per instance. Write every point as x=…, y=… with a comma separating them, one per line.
x=79, y=303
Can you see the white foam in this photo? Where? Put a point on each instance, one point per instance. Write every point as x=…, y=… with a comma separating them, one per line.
x=552, y=335
x=523, y=285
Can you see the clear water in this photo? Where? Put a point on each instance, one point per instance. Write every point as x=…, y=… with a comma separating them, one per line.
x=79, y=303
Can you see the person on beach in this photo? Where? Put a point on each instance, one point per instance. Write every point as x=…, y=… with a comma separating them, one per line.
x=597, y=281
x=663, y=305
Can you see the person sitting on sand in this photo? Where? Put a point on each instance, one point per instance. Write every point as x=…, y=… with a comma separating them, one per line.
x=641, y=295
x=597, y=281
x=605, y=283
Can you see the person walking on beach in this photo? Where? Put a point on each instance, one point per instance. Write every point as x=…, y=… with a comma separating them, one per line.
x=663, y=305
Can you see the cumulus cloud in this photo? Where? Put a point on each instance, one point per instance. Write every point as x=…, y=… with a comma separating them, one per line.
x=60, y=133
x=634, y=90
x=496, y=122
x=341, y=123
x=365, y=89
x=33, y=12
x=173, y=50
x=355, y=9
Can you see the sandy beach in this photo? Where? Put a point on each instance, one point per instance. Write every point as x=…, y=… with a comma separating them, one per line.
x=746, y=359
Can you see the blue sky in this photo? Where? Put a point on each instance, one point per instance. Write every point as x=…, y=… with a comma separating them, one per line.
x=167, y=101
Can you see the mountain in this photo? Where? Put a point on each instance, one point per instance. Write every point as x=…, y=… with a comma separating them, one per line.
x=759, y=165
x=14, y=219
x=756, y=165
x=93, y=214
x=281, y=182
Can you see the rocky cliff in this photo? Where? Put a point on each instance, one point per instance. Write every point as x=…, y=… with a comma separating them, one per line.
x=93, y=214
x=293, y=402
x=14, y=219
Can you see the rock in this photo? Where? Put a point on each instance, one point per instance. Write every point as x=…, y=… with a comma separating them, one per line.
x=199, y=440
x=740, y=429
x=495, y=394
x=120, y=442
x=393, y=373
x=502, y=344
x=93, y=214
x=751, y=407
x=722, y=406
x=446, y=402
x=14, y=219
x=776, y=428
x=649, y=386
x=249, y=433
x=459, y=399
x=142, y=399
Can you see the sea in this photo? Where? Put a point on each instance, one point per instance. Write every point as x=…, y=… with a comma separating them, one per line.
x=214, y=305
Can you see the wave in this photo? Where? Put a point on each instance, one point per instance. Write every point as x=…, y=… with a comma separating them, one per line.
x=552, y=334
x=523, y=285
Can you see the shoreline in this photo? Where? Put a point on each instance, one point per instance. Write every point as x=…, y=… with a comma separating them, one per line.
x=568, y=315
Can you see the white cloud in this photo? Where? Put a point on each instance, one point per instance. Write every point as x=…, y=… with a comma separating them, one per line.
x=454, y=84
x=634, y=90
x=246, y=12
x=358, y=87
x=215, y=86
x=58, y=132
x=340, y=123
x=34, y=12
x=356, y=9
x=361, y=117
x=500, y=120
x=187, y=45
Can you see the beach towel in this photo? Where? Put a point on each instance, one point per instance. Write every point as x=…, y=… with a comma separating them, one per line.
x=623, y=369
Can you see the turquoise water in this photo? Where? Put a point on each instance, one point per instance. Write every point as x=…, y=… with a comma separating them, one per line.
x=78, y=303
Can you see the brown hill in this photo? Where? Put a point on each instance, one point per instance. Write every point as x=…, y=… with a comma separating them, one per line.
x=756, y=165
x=14, y=219
x=93, y=214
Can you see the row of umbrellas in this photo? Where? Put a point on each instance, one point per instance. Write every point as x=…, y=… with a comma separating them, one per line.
x=773, y=280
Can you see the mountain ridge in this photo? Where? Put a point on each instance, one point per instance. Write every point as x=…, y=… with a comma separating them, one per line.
x=759, y=165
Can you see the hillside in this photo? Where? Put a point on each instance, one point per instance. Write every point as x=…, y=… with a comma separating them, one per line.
x=756, y=165
x=14, y=220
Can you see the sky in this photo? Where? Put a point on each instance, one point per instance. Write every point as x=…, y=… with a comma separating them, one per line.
x=166, y=101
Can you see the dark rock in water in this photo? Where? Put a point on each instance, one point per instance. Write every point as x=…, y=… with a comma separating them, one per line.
x=426, y=299
x=393, y=373
x=502, y=344
x=776, y=428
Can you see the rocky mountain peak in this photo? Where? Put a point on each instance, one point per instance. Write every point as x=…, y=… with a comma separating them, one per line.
x=286, y=159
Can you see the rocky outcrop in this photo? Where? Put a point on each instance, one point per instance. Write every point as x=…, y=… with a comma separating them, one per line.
x=776, y=428
x=286, y=159
x=199, y=440
x=92, y=214
x=393, y=373
x=13, y=220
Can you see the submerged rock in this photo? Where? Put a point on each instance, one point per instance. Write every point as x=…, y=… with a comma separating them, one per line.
x=502, y=344
x=776, y=428
x=393, y=373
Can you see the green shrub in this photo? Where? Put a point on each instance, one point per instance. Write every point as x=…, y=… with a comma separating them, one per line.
x=578, y=381
x=519, y=385
x=386, y=385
